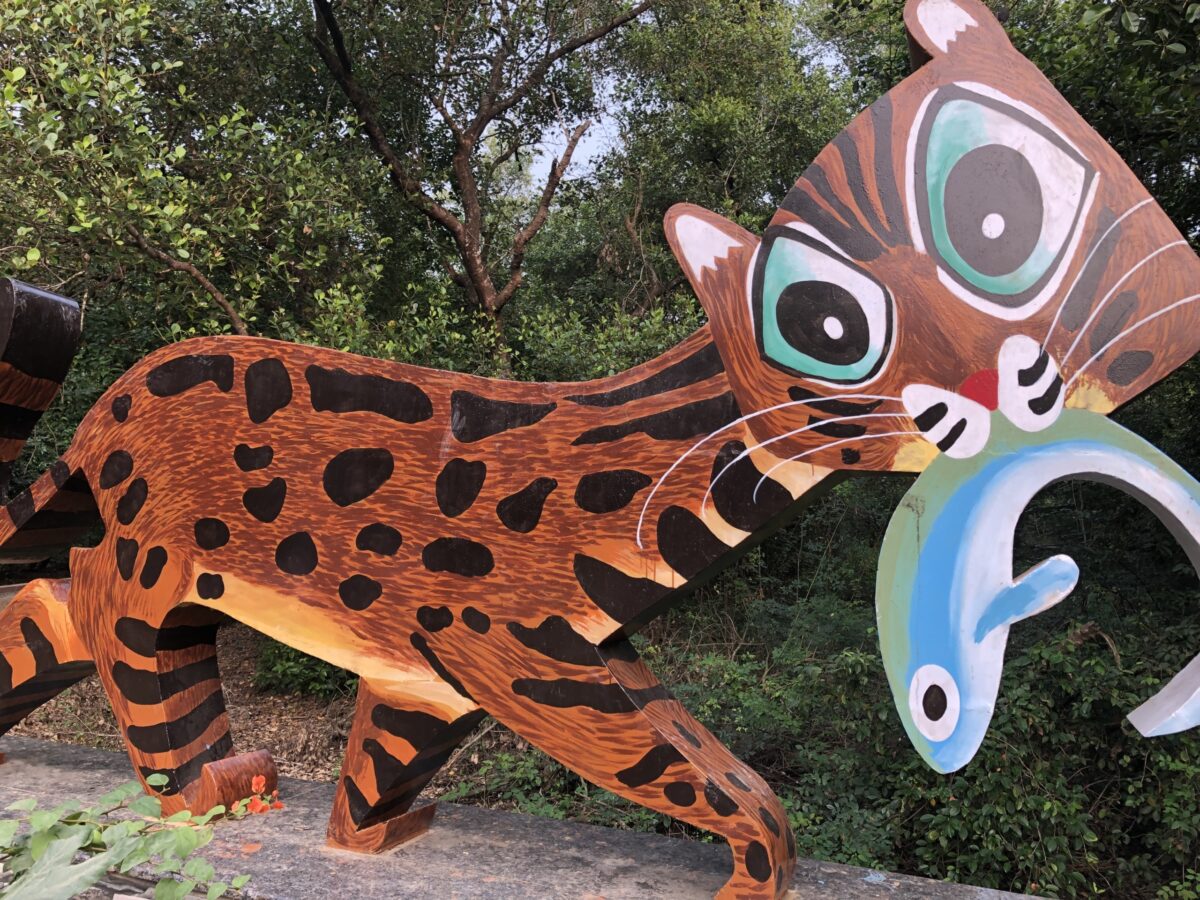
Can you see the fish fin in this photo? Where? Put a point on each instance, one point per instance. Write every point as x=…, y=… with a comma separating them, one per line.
x=1036, y=591
x=1173, y=709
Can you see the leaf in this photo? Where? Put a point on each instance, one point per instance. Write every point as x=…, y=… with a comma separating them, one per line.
x=1131, y=21
x=158, y=779
x=16, y=74
x=53, y=877
x=239, y=882
x=146, y=806
x=8, y=829
x=26, y=805
x=1091, y=16
x=216, y=889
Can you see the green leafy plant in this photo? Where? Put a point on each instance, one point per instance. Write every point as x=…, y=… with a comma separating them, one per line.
x=41, y=848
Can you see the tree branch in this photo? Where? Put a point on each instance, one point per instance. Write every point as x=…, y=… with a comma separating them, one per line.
x=538, y=73
x=326, y=25
x=179, y=265
x=525, y=235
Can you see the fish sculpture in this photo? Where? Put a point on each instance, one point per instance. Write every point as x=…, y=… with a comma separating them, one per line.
x=946, y=595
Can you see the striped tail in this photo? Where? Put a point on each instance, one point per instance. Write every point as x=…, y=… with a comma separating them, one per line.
x=39, y=335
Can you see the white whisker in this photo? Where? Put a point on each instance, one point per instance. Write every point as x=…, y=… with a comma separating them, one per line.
x=1087, y=260
x=1134, y=327
x=798, y=456
x=1112, y=291
x=781, y=437
x=704, y=440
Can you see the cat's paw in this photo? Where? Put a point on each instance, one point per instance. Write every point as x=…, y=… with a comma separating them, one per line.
x=1031, y=389
x=956, y=425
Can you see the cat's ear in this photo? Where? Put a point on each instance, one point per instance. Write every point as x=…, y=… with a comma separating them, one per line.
x=713, y=252
x=947, y=27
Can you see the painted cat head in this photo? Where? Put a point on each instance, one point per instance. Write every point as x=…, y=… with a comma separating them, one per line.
x=968, y=243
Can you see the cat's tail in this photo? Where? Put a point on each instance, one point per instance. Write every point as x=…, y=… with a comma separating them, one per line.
x=39, y=335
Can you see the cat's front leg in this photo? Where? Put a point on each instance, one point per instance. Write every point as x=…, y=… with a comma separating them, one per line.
x=601, y=712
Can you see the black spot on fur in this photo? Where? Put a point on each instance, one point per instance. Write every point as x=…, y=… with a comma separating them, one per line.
x=850, y=457
x=251, y=459
x=178, y=375
x=622, y=596
x=296, y=554
x=769, y=821
x=418, y=728
x=687, y=421
x=458, y=556
x=1127, y=367
x=565, y=693
x=758, y=863
x=379, y=538
x=521, y=512
x=160, y=738
x=687, y=735
x=458, y=484
x=422, y=646
x=604, y=492
x=473, y=418
x=180, y=777
x=121, y=406
x=555, y=639
x=721, y=803
x=701, y=365
x=20, y=508
x=733, y=495
x=477, y=621
x=336, y=390
x=131, y=504
x=156, y=558
x=145, y=687
x=268, y=389
x=211, y=533
x=356, y=474
x=360, y=806
x=651, y=766
x=358, y=592
x=685, y=542
x=116, y=469
x=435, y=618
x=209, y=586
x=145, y=640
x=680, y=793
x=60, y=473
x=266, y=502
x=127, y=551
x=44, y=657
x=732, y=778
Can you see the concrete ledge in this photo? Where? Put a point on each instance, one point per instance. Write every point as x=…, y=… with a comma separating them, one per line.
x=468, y=853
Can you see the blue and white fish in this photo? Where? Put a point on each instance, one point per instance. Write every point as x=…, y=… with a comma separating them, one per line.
x=945, y=592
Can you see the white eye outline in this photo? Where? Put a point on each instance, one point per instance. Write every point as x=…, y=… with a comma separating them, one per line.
x=1011, y=307
x=931, y=675
x=831, y=265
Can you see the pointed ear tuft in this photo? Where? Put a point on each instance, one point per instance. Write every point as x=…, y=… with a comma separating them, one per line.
x=945, y=27
x=706, y=243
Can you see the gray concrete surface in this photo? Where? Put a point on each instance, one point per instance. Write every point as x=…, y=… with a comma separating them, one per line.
x=468, y=853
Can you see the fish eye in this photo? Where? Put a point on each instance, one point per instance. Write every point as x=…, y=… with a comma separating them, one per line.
x=1000, y=197
x=933, y=702
x=816, y=314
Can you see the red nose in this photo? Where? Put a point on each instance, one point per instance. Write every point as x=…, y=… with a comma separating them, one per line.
x=982, y=387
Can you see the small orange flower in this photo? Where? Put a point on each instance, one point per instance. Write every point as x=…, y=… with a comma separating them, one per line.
x=257, y=805
x=275, y=794
x=258, y=784
x=278, y=804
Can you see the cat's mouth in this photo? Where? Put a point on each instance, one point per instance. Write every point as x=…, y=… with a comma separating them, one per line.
x=1025, y=386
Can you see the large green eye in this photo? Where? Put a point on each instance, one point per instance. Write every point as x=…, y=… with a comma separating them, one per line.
x=1000, y=196
x=816, y=314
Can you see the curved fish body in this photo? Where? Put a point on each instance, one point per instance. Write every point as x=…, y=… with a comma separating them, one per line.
x=946, y=595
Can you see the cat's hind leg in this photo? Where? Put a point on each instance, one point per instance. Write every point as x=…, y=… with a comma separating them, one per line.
x=40, y=653
x=157, y=660
x=602, y=713
x=397, y=743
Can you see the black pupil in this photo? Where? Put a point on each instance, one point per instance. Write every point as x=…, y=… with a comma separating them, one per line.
x=934, y=703
x=994, y=207
x=824, y=321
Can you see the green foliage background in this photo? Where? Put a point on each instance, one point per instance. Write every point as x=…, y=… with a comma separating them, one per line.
x=211, y=130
